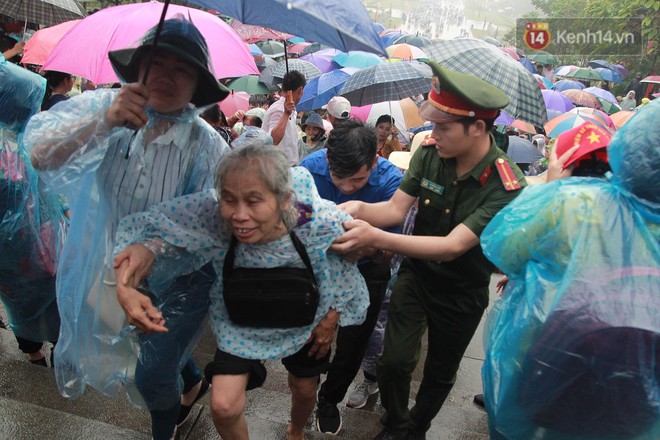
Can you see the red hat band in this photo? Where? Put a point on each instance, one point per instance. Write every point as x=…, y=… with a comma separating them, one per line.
x=450, y=103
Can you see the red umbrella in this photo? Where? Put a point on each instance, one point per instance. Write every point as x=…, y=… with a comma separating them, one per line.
x=252, y=34
x=653, y=79
x=582, y=99
x=42, y=43
x=297, y=48
x=511, y=52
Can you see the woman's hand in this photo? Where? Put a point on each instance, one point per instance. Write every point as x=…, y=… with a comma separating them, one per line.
x=128, y=107
x=556, y=165
x=323, y=334
x=501, y=284
x=131, y=266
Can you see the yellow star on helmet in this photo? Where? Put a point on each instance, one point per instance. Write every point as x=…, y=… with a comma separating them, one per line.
x=593, y=138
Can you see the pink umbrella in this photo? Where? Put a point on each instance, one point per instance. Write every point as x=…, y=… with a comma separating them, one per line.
x=235, y=101
x=41, y=44
x=252, y=34
x=511, y=52
x=83, y=51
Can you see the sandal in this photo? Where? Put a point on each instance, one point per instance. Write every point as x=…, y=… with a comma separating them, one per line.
x=184, y=412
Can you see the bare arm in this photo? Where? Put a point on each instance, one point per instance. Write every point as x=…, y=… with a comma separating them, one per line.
x=360, y=234
x=16, y=50
x=278, y=131
x=383, y=214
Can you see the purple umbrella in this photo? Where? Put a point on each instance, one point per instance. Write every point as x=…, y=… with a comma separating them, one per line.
x=323, y=59
x=504, y=119
x=567, y=84
x=556, y=101
x=622, y=70
x=600, y=93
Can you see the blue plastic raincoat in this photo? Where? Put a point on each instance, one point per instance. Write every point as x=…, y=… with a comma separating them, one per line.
x=32, y=222
x=169, y=157
x=574, y=344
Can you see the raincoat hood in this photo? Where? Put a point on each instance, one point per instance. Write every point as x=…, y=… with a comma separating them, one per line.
x=634, y=155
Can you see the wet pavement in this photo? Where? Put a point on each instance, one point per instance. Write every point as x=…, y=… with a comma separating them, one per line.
x=31, y=407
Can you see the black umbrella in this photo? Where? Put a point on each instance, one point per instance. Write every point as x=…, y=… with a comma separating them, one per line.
x=522, y=151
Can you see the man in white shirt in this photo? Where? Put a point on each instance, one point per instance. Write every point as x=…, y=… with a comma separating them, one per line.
x=280, y=119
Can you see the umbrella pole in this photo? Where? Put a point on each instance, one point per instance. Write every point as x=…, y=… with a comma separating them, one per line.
x=286, y=58
x=159, y=28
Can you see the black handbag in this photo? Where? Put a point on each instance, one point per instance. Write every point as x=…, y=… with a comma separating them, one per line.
x=280, y=297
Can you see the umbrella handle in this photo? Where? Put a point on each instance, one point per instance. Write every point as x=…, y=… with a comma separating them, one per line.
x=159, y=28
x=147, y=68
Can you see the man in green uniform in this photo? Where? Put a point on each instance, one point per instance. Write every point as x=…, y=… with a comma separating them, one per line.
x=461, y=182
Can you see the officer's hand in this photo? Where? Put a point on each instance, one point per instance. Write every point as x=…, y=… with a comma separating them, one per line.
x=352, y=208
x=128, y=107
x=359, y=236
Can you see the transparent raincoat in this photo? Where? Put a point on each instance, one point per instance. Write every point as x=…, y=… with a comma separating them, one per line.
x=108, y=173
x=32, y=221
x=574, y=344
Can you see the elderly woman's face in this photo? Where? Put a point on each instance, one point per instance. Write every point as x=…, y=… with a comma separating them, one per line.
x=250, y=208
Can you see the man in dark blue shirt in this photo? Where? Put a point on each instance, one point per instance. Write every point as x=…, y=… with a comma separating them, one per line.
x=349, y=169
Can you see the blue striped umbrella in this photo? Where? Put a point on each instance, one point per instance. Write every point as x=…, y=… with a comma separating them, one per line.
x=485, y=61
x=321, y=89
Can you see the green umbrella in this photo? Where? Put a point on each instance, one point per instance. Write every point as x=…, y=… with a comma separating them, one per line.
x=608, y=107
x=249, y=84
x=584, y=73
x=543, y=57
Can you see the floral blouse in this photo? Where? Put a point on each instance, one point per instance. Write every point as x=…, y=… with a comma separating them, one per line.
x=192, y=224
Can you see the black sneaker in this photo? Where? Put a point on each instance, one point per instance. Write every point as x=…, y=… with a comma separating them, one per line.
x=479, y=400
x=328, y=419
x=184, y=411
x=387, y=434
x=41, y=362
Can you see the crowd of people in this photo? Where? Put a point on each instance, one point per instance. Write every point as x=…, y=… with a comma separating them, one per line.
x=284, y=232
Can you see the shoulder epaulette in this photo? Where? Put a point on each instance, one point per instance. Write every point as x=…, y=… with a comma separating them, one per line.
x=506, y=175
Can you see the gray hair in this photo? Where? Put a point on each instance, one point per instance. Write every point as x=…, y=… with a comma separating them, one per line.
x=271, y=166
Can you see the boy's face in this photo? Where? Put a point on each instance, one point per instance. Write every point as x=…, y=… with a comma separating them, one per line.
x=171, y=82
x=354, y=183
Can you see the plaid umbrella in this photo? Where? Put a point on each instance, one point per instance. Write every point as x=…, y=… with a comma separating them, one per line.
x=44, y=12
x=278, y=71
x=387, y=82
x=485, y=61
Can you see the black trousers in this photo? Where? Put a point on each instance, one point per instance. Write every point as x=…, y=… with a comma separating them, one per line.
x=352, y=340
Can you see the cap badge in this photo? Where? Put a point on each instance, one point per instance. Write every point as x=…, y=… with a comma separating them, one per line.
x=435, y=83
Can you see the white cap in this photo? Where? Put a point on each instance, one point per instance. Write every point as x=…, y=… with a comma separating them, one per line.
x=339, y=107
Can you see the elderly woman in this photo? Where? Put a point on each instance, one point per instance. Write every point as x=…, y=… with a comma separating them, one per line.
x=262, y=207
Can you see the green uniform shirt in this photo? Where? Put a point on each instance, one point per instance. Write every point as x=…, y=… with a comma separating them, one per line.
x=446, y=201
